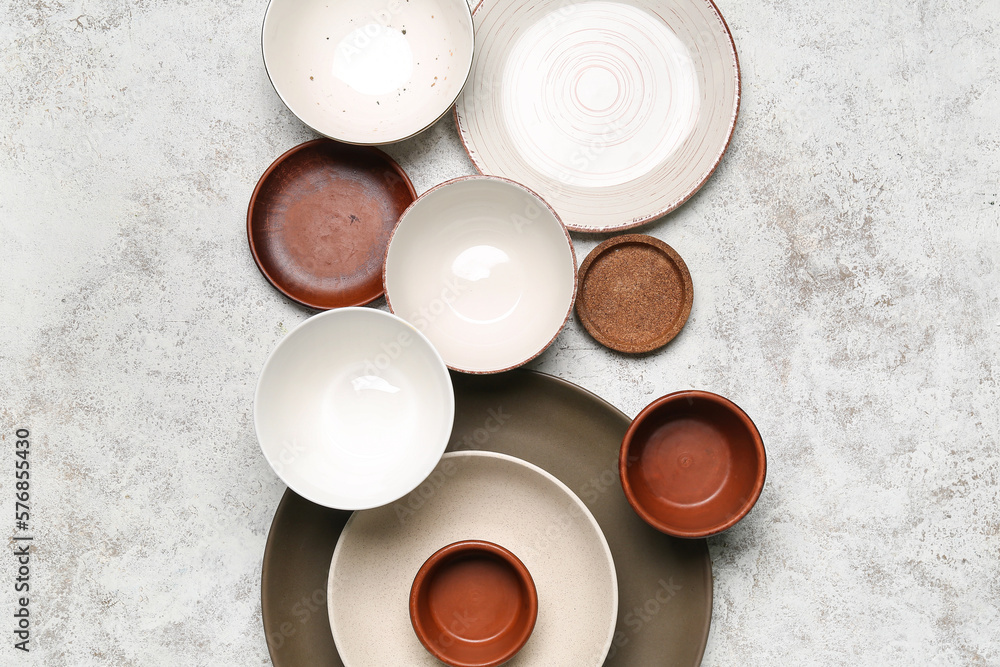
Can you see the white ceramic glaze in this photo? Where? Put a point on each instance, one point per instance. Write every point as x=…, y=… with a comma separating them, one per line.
x=485, y=269
x=368, y=71
x=614, y=112
x=354, y=408
x=485, y=496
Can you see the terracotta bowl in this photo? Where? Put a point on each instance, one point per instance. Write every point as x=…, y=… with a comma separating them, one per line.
x=473, y=604
x=692, y=464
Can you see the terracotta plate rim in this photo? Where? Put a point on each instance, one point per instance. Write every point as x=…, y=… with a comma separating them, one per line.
x=665, y=337
x=284, y=157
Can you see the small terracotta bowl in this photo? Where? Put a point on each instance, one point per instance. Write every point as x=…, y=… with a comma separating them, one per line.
x=692, y=464
x=473, y=604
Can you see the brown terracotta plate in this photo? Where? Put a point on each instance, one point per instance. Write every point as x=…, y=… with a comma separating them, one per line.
x=665, y=583
x=320, y=218
x=635, y=293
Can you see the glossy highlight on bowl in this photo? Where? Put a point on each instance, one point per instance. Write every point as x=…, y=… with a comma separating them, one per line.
x=354, y=408
x=368, y=71
x=692, y=464
x=473, y=604
x=485, y=268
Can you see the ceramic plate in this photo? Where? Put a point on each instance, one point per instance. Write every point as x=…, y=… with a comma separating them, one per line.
x=664, y=583
x=354, y=408
x=635, y=293
x=486, y=269
x=483, y=496
x=614, y=112
x=320, y=218
x=368, y=71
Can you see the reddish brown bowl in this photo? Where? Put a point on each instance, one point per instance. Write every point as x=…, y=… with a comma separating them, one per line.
x=320, y=219
x=473, y=604
x=692, y=464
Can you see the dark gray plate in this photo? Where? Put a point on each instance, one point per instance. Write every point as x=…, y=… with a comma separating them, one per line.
x=665, y=584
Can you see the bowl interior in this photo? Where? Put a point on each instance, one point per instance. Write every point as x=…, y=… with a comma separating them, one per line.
x=473, y=603
x=693, y=465
x=368, y=71
x=320, y=221
x=485, y=269
x=354, y=408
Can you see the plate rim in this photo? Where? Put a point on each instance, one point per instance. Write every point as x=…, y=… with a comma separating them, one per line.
x=673, y=206
x=280, y=160
x=549, y=477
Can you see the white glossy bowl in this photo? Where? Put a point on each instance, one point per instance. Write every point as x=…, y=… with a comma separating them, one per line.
x=368, y=71
x=354, y=408
x=486, y=269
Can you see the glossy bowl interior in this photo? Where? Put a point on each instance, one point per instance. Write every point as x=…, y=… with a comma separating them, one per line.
x=473, y=604
x=368, y=71
x=692, y=464
x=354, y=408
x=486, y=269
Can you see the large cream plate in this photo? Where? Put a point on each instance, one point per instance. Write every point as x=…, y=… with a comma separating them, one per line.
x=486, y=496
x=614, y=112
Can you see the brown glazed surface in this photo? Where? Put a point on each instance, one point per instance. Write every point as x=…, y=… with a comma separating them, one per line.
x=320, y=218
x=473, y=604
x=692, y=464
x=635, y=293
x=665, y=584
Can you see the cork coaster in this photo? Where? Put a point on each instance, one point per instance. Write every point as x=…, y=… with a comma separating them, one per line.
x=634, y=294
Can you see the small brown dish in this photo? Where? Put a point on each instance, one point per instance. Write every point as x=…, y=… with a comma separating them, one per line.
x=635, y=293
x=320, y=219
x=692, y=464
x=473, y=604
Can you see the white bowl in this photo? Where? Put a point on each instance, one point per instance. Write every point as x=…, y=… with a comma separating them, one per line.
x=486, y=269
x=354, y=408
x=368, y=71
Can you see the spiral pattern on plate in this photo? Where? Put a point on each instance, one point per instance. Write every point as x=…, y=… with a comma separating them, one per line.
x=614, y=112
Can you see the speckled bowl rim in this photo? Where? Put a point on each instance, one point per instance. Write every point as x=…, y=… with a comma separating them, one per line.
x=394, y=140
x=736, y=411
x=569, y=241
x=638, y=222
x=284, y=157
x=669, y=334
x=439, y=559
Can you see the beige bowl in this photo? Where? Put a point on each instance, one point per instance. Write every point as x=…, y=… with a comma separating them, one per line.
x=485, y=269
x=368, y=71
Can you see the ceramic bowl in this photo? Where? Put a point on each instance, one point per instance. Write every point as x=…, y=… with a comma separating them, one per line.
x=368, y=71
x=486, y=269
x=320, y=218
x=473, y=604
x=354, y=408
x=692, y=464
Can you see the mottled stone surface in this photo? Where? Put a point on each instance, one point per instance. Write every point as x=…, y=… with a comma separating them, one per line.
x=845, y=262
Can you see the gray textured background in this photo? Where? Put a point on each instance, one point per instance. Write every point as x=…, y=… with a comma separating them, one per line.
x=845, y=261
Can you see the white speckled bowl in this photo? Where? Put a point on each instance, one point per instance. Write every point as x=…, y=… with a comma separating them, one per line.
x=614, y=112
x=368, y=71
x=354, y=408
x=485, y=269
x=483, y=496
